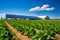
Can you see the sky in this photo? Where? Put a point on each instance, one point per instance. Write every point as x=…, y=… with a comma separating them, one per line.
x=49, y=8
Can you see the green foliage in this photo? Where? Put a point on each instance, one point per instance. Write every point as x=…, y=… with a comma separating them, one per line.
x=37, y=29
x=4, y=32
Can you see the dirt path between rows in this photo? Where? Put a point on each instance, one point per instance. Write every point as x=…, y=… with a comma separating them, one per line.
x=17, y=33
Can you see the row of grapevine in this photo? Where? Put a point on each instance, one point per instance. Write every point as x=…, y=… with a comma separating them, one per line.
x=37, y=29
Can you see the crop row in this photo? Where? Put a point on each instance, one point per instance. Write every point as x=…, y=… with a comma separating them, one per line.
x=37, y=29
x=4, y=32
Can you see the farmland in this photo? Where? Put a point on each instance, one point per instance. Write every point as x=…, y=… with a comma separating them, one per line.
x=4, y=32
x=37, y=29
x=34, y=29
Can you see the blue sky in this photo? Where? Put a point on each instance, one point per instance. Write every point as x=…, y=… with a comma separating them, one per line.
x=22, y=7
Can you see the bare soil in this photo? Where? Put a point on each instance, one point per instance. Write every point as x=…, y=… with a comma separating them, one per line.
x=57, y=36
x=17, y=33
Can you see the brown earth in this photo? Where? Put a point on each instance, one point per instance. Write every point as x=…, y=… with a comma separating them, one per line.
x=57, y=36
x=17, y=33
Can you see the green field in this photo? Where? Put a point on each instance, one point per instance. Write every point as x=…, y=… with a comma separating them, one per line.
x=4, y=32
x=37, y=29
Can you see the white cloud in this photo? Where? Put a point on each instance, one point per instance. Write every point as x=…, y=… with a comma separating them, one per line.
x=35, y=9
x=48, y=9
x=44, y=7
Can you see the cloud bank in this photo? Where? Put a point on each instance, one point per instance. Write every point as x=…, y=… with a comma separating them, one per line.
x=44, y=7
